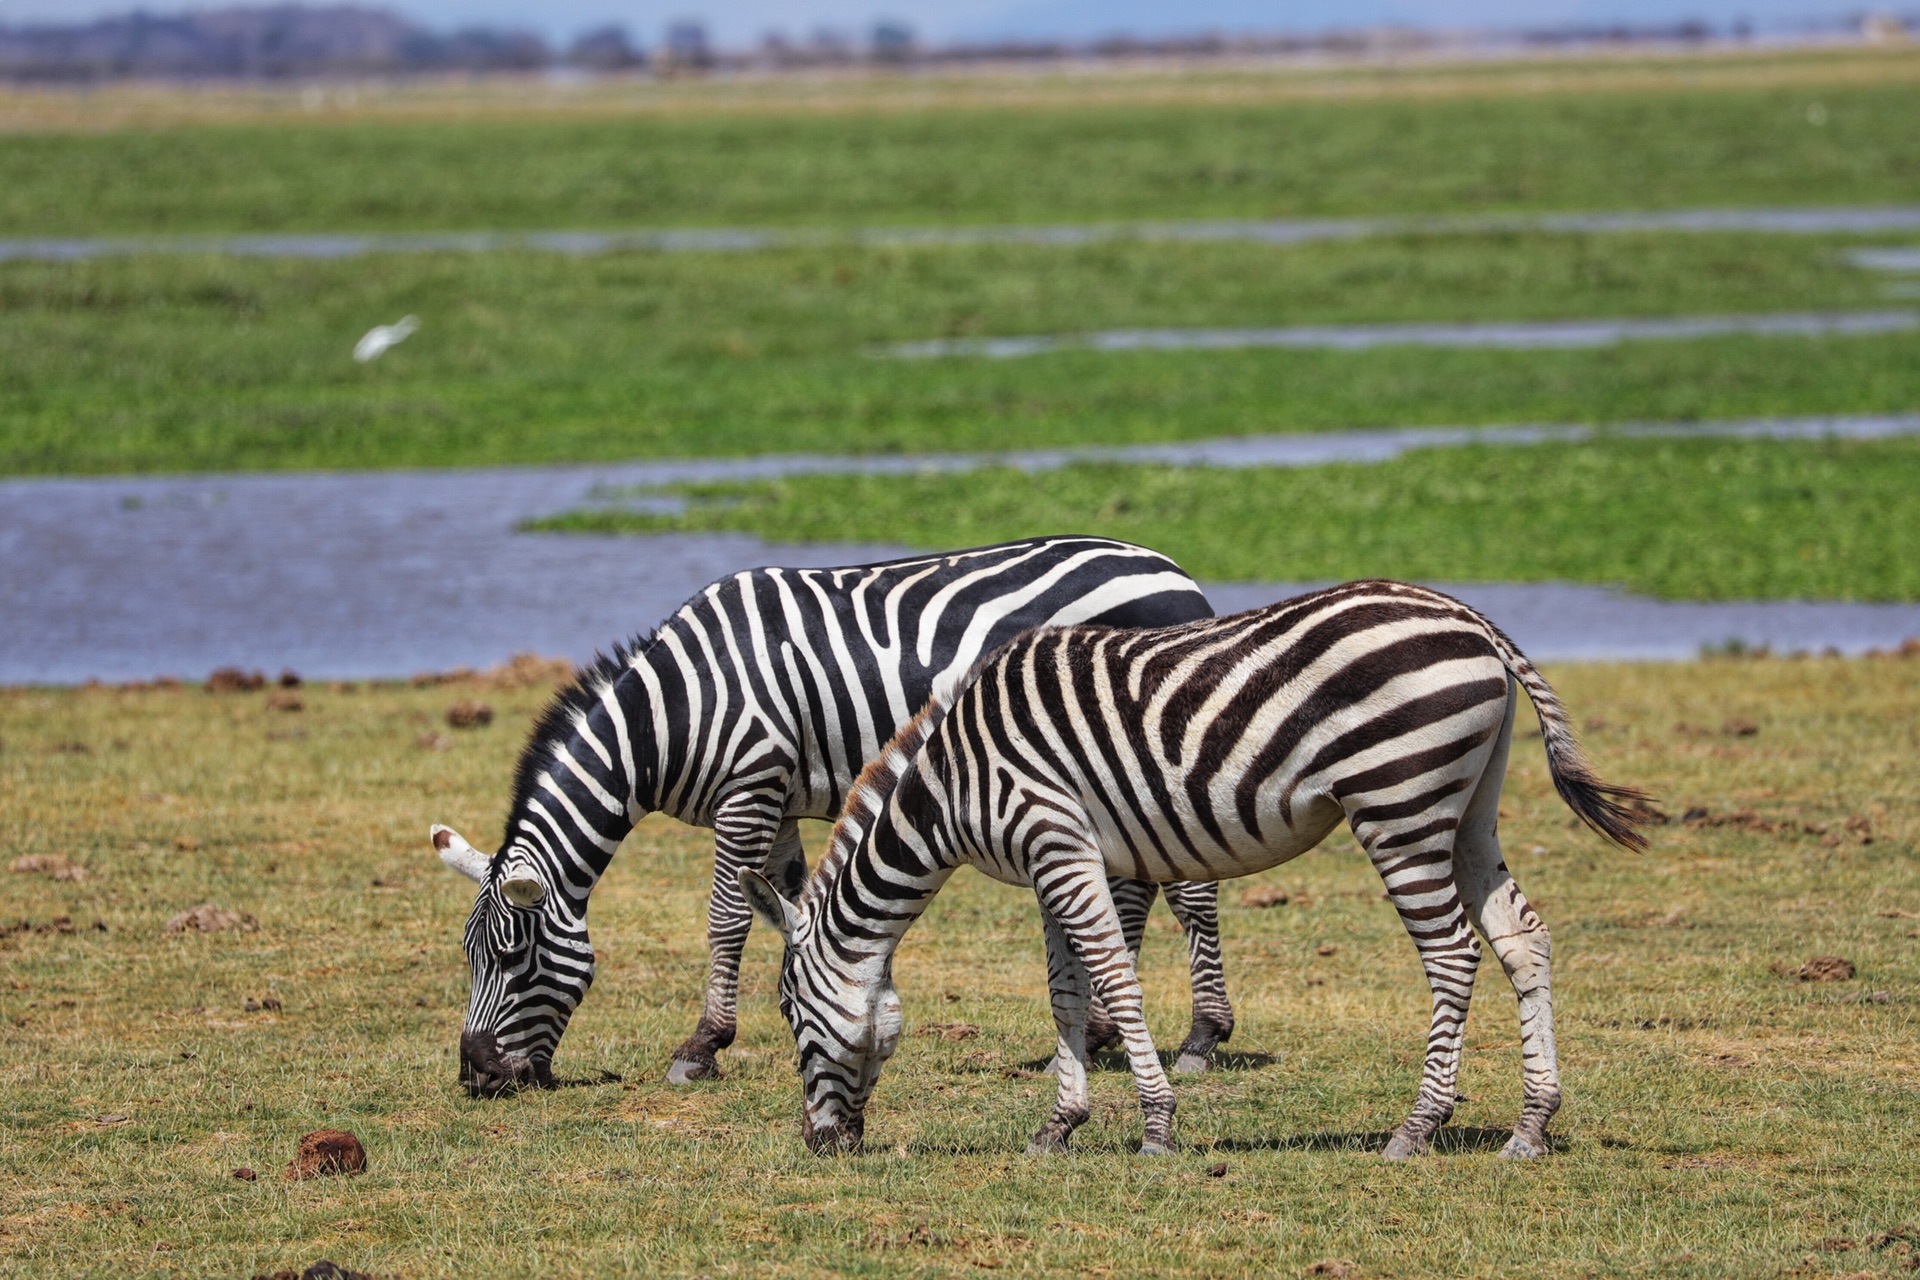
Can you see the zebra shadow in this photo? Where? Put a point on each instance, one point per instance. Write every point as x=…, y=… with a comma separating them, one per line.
x=1219, y=1060
x=1450, y=1140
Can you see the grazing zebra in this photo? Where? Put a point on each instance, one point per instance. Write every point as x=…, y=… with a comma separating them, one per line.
x=1209, y=750
x=753, y=706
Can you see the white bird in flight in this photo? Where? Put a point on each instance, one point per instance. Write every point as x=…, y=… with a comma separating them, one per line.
x=381, y=336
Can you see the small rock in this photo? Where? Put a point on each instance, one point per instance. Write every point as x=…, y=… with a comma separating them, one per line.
x=245, y=1174
x=468, y=714
x=1826, y=969
x=327, y=1151
x=234, y=680
x=111, y=1120
x=1325, y=949
x=1217, y=1170
x=1264, y=895
x=207, y=918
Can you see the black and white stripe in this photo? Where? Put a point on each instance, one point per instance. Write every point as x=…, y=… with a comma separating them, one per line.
x=754, y=706
x=1204, y=751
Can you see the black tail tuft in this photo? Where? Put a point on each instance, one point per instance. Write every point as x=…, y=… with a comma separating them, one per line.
x=1617, y=813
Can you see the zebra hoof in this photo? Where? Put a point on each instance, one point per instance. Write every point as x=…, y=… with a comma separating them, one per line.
x=686, y=1071
x=1518, y=1148
x=1156, y=1149
x=1190, y=1064
x=1401, y=1147
x=1047, y=1146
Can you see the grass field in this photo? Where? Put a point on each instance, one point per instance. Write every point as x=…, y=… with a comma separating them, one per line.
x=1658, y=142
x=1724, y=1119
x=215, y=363
x=1682, y=519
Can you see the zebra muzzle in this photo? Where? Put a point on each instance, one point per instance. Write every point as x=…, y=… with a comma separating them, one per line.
x=486, y=1072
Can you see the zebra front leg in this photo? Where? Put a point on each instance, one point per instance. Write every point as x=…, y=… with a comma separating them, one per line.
x=1132, y=900
x=1071, y=993
x=1196, y=905
x=1417, y=867
x=1074, y=892
x=748, y=831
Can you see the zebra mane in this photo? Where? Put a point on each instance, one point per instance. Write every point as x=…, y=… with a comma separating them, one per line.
x=577, y=697
x=875, y=786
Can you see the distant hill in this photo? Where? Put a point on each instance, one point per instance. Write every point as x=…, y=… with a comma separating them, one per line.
x=271, y=41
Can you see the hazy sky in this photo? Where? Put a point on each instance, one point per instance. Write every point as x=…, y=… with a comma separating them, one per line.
x=743, y=21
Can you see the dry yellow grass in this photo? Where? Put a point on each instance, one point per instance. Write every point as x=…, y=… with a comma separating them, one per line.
x=1724, y=1118
x=1628, y=69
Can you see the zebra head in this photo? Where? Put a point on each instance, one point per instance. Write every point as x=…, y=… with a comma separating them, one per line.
x=846, y=1022
x=532, y=964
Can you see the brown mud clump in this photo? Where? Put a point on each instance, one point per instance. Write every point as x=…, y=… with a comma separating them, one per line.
x=1264, y=895
x=207, y=918
x=234, y=680
x=1826, y=969
x=327, y=1151
x=469, y=714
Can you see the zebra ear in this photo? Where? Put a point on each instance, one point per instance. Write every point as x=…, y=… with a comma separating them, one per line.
x=767, y=902
x=461, y=856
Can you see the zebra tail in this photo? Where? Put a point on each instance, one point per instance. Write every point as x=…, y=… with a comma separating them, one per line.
x=1616, y=812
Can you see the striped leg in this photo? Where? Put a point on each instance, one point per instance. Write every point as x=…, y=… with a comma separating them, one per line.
x=1520, y=939
x=748, y=831
x=1072, y=993
x=1132, y=900
x=1196, y=905
x=1414, y=856
x=1073, y=891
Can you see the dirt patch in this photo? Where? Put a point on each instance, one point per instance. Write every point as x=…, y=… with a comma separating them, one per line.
x=469, y=714
x=522, y=671
x=326, y=1152
x=207, y=918
x=949, y=1031
x=1265, y=895
x=54, y=866
x=284, y=700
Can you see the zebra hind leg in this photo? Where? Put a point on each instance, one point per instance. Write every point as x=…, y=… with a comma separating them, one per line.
x=747, y=833
x=1132, y=899
x=1196, y=905
x=1068, y=985
x=1074, y=892
x=1416, y=863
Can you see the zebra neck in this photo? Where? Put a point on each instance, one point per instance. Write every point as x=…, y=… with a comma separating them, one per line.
x=867, y=899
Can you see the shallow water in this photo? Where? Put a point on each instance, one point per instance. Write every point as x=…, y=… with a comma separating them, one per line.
x=388, y=573
x=1516, y=335
x=1827, y=221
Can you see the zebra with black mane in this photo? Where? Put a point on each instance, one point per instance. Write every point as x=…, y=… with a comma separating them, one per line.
x=756, y=705
x=1214, y=749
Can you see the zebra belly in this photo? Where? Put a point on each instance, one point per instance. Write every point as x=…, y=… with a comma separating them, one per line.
x=1181, y=847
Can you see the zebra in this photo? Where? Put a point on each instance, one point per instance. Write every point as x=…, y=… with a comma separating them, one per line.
x=753, y=706
x=1213, y=749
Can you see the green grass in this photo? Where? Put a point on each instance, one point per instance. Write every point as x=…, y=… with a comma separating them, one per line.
x=1722, y=1120
x=215, y=363
x=1660, y=147
x=1683, y=519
